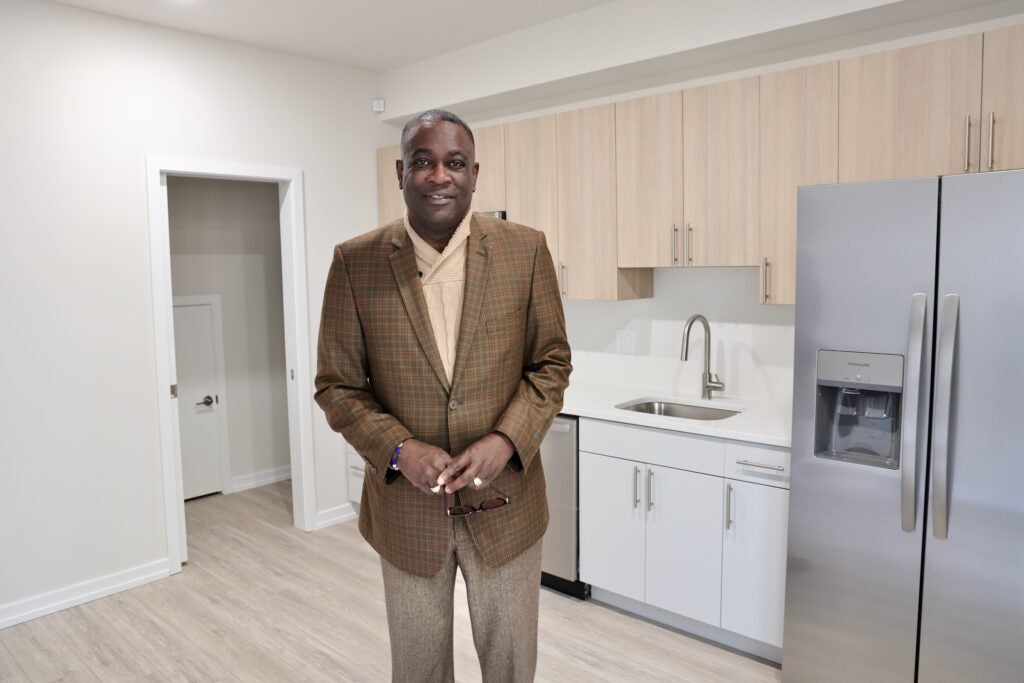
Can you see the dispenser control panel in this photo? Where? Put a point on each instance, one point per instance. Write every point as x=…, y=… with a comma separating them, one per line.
x=858, y=407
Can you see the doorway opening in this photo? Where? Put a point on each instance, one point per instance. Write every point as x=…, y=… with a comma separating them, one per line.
x=213, y=265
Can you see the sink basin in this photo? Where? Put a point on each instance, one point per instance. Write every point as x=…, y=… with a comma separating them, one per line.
x=671, y=409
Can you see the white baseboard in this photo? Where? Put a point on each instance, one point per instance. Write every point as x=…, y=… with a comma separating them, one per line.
x=256, y=479
x=336, y=515
x=53, y=601
x=688, y=626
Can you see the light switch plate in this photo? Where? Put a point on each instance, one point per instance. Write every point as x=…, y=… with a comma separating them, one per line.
x=625, y=341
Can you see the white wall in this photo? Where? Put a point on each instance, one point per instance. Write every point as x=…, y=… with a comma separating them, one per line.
x=226, y=239
x=751, y=349
x=84, y=98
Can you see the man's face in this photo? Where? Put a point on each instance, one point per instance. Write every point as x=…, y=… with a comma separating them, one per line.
x=437, y=174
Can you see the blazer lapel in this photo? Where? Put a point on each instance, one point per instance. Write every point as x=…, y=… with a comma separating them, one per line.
x=403, y=264
x=473, y=294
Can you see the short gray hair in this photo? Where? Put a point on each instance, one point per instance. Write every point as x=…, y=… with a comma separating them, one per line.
x=413, y=124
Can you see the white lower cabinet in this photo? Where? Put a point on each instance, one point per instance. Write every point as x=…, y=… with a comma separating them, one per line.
x=645, y=533
x=663, y=521
x=754, y=561
x=612, y=526
x=684, y=542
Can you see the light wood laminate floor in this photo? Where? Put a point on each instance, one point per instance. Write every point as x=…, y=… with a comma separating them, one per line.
x=260, y=600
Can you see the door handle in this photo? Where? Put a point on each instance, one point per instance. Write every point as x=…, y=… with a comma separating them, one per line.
x=728, y=506
x=911, y=405
x=940, y=424
x=991, y=138
x=207, y=401
x=650, y=489
x=636, y=487
x=751, y=463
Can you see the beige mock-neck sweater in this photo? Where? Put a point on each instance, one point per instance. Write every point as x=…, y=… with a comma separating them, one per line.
x=443, y=277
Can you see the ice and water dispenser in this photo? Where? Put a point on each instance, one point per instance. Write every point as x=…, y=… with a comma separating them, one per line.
x=857, y=415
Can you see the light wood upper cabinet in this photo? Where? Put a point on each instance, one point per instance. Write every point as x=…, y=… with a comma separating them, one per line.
x=1003, y=100
x=721, y=193
x=531, y=176
x=587, y=209
x=649, y=180
x=799, y=145
x=490, y=154
x=911, y=112
x=390, y=203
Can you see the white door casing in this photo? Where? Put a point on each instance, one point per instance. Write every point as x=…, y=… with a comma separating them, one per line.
x=202, y=395
x=296, y=335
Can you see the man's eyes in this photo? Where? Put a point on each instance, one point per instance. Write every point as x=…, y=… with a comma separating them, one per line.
x=457, y=164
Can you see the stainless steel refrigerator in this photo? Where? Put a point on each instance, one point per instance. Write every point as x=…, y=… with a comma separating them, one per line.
x=906, y=531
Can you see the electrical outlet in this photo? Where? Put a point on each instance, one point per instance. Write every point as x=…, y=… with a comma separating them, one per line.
x=625, y=341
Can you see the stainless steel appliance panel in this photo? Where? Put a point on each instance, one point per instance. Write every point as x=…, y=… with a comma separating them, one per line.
x=559, y=455
x=853, y=574
x=972, y=622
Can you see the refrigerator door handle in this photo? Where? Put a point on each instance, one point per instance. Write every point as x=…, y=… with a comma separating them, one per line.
x=940, y=423
x=911, y=408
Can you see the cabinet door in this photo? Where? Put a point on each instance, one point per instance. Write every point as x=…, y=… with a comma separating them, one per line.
x=390, y=203
x=799, y=146
x=1003, y=99
x=490, y=183
x=531, y=176
x=612, y=524
x=721, y=193
x=911, y=112
x=684, y=542
x=587, y=210
x=649, y=180
x=754, y=561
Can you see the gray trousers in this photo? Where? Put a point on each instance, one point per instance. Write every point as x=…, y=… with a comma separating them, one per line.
x=503, y=604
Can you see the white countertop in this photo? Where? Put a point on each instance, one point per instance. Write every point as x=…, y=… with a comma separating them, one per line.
x=757, y=422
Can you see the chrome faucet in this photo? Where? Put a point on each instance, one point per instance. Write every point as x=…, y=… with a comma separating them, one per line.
x=708, y=382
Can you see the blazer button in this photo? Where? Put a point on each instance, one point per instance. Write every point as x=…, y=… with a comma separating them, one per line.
x=453, y=404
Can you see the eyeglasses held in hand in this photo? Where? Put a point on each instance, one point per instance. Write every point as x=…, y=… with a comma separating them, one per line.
x=489, y=504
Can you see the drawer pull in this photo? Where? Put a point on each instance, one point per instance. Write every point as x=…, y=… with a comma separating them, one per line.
x=750, y=463
x=356, y=468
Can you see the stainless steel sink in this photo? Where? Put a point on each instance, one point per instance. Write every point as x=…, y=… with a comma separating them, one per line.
x=671, y=409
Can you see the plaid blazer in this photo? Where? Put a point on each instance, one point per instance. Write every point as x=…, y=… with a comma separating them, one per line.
x=380, y=380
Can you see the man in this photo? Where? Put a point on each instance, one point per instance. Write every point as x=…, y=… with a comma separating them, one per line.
x=443, y=359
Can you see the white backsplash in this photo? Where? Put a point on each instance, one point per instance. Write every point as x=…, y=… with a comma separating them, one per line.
x=751, y=344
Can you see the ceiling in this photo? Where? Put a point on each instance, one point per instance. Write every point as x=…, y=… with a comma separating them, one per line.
x=376, y=35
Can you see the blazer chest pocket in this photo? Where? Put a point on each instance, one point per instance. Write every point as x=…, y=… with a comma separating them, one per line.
x=504, y=321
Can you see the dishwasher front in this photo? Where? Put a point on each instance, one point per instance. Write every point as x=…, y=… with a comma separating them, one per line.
x=560, y=560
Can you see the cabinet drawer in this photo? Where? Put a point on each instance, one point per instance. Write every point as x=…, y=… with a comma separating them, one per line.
x=655, y=446
x=757, y=463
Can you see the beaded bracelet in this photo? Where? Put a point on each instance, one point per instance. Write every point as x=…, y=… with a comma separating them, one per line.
x=394, y=457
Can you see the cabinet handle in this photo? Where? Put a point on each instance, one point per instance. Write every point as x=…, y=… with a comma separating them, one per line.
x=561, y=273
x=636, y=487
x=967, y=143
x=766, y=279
x=991, y=137
x=689, y=243
x=728, y=506
x=356, y=468
x=675, y=244
x=751, y=463
x=650, y=489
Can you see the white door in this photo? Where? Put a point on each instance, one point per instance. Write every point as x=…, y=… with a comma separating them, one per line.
x=754, y=561
x=684, y=542
x=198, y=400
x=612, y=524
